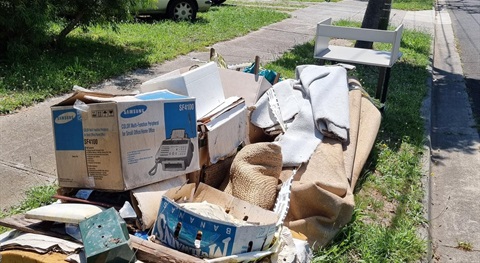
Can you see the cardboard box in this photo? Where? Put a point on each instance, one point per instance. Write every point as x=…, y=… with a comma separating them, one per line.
x=246, y=85
x=124, y=142
x=69, y=143
x=223, y=130
x=146, y=200
x=218, y=238
x=250, y=87
x=222, y=121
x=202, y=82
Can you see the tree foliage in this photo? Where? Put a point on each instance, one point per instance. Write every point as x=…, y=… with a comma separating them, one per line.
x=83, y=13
x=24, y=24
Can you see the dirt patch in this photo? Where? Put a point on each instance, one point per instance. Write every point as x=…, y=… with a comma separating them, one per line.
x=379, y=210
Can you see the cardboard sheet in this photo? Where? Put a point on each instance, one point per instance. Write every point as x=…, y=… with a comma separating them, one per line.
x=146, y=200
x=203, y=83
x=64, y=212
x=246, y=85
x=37, y=243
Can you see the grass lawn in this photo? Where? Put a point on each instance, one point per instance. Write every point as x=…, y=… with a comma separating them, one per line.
x=90, y=57
x=388, y=196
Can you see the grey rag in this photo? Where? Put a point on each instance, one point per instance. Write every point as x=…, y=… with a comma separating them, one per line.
x=327, y=89
x=318, y=103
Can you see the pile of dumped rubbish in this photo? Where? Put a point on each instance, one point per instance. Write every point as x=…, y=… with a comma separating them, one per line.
x=203, y=164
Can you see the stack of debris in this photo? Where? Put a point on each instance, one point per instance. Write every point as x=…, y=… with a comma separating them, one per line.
x=204, y=164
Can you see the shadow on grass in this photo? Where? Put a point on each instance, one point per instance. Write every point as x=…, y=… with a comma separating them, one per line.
x=152, y=19
x=80, y=61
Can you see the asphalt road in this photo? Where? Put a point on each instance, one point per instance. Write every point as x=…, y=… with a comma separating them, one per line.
x=465, y=16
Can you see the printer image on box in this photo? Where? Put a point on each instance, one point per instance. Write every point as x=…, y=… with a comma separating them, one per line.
x=175, y=153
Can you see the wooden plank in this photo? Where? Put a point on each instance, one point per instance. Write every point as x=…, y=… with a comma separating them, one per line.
x=147, y=251
x=152, y=252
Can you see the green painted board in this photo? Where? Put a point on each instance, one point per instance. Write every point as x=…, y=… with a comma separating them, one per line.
x=105, y=238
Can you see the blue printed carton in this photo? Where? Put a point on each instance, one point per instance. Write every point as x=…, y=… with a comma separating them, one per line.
x=192, y=233
x=118, y=143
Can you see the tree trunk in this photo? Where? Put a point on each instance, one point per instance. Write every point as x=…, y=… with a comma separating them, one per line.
x=385, y=17
x=71, y=26
x=373, y=15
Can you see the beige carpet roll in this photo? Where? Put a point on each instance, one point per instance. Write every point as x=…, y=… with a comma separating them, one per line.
x=254, y=174
x=317, y=213
x=326, y=167
x=349, y=148
x=370, y=120
x=322, y=200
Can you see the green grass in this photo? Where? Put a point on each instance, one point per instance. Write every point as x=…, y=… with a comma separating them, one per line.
x=90, y=57
x=35, y=197
x=389, y=194
x=412, y=5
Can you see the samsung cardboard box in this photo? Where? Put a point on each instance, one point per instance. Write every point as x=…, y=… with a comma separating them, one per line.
x=123, y=142
x=198, y=235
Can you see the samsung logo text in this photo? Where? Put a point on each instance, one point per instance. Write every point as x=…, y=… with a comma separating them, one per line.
x=65, y=117
x=133, y=111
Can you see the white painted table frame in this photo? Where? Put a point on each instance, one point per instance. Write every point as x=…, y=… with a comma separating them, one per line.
x=379, y=58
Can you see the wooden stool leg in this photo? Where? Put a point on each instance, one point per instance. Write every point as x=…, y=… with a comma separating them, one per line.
x=381, y=82
x=385, y=85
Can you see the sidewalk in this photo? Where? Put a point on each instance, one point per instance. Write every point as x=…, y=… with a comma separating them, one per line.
x=27, y=157
x=454, y=187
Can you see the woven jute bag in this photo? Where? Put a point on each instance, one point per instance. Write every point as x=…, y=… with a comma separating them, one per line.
x=254, y=174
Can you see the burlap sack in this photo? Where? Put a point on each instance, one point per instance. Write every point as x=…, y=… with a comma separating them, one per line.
x=322, y=198
x=254, y=174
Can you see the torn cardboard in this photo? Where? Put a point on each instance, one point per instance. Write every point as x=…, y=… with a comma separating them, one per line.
x=246, y=85
x=38, y=243
x=224, y=129
x=146, y=200
x=250, y=87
